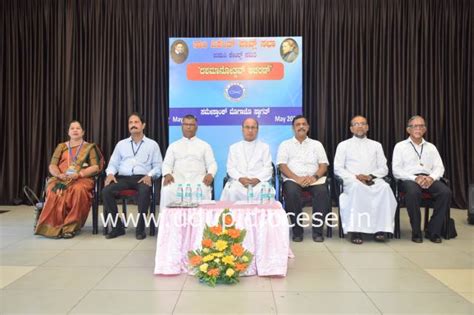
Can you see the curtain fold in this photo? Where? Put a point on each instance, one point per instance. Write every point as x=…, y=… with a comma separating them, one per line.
x=98, y=60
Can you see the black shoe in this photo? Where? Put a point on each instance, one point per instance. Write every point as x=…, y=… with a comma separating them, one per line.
x=379, y=237
x=116, y=232
x=318, y=238
x=140, y=235
x=435, y=238
x=417, y=238
x=297, y=238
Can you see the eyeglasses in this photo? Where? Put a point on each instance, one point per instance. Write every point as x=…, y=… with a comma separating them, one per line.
x=250, y=127
x=359, y=124
x=189, y=125
x=417, y=126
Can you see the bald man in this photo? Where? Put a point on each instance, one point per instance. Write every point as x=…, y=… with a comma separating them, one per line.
x=249, y=163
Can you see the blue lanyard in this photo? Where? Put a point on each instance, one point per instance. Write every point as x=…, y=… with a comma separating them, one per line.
x=138, y=149
x=74, y=158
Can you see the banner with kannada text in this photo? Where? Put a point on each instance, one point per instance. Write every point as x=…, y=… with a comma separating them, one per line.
x=222, y=81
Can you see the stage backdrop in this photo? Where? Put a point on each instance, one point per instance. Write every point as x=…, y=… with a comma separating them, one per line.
x=222, y=81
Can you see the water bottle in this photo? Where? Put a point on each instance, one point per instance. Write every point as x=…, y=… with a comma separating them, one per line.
x=179, y=193
x=198, y=193
x=188, y=194
x=270, y=196
x=263, y=194
x=249, y=194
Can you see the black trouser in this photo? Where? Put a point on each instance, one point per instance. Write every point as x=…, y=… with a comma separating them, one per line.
x=110, y=192
x=442, y=201
x=293, y=204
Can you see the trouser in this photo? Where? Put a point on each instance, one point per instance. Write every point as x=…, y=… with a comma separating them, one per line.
x=110, y=193
x=442, y=200
x=293, y=205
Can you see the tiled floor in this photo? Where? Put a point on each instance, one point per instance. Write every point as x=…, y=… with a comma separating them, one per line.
x=92, y=275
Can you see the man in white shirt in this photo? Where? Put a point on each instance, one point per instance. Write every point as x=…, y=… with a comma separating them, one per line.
x=367, y=203
x=249, y=163
x=188, y=161
x=302, y=161
x=418, y=163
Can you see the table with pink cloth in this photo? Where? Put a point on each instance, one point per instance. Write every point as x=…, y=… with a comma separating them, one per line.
x=180, y=230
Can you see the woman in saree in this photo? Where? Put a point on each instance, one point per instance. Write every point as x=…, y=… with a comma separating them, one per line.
x=69, y=192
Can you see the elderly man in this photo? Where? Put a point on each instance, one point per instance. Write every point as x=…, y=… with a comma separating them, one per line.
x=249, y=163
x=418, y=163
x=303, y=161
x=367, y=203
x=188, y=161
x=136, y=160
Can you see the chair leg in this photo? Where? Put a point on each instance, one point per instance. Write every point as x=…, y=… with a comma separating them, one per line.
x=95, y=215
x=427, y=215
x=397, y=222
x=341, y=231
x=153, y=215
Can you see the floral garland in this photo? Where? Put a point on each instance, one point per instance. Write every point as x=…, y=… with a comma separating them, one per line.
x=222, y=257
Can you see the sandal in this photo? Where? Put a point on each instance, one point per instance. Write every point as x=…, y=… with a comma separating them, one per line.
x=379, y=237
x=68, y=235
x=356, y=238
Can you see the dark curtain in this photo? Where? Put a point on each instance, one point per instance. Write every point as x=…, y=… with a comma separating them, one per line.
x=98, y=60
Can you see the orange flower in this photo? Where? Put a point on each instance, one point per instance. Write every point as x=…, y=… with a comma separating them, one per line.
x=195, y=260
x=228, y=220
x=237, y=250
x=207, y=243
x=240, y=267
x=213, y=272
x=234, y=233
x=216, y=229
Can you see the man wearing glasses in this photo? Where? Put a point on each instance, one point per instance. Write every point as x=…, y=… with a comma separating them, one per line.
x=249, y=165
x=367, y=203
x=418, y=163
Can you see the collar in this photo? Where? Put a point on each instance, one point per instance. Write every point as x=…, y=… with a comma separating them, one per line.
x=411, y=141
x=191, y=139
x=297, y=141
x=131, y=139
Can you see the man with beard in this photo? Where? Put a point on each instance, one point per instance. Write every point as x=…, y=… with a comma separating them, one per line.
x=136, y=161
x=302, y=162
x=367, y=203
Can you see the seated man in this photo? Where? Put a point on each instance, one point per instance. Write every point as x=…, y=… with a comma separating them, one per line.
x=367, y=203
x=418, y=163
x=302, y=161
x=188, y=161
x=136, y=160
x=249, y=163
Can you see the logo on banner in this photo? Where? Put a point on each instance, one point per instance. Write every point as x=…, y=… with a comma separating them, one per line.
x=234, y=92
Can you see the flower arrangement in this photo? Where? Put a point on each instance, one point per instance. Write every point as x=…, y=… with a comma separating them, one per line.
x=222, y=257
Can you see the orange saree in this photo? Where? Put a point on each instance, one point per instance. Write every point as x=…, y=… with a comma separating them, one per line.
x=67, y=203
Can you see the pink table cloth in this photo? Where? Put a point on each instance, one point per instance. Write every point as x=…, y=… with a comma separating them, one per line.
x=180, y=230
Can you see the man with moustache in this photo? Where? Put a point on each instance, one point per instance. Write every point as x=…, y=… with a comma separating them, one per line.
x=249, y=163
x=133, y=165
x=417, y=162
x=367, y=203
x=302, y=162
x=188, y=161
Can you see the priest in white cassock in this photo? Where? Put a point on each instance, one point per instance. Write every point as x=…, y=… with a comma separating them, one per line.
x=249, y=163
x=188, y=161
x=367, y=203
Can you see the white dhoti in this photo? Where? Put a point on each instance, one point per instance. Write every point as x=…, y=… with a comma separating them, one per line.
x=235, y=191
x=367, y=209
